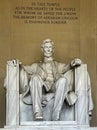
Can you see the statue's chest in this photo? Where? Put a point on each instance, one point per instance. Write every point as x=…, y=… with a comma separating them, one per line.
x=49, y=68
x=49, y=71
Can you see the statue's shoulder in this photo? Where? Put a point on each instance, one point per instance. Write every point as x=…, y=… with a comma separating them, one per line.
x=34, y=65
x=59, y=64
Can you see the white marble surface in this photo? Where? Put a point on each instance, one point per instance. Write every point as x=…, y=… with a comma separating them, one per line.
x=48, y=126
x=13, y=115
x=57, y=128
x=49, y=72
x=12, y=95
x=84, y=105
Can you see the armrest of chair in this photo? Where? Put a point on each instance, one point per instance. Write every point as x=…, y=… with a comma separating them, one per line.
x=83, y=91
x=12, y=94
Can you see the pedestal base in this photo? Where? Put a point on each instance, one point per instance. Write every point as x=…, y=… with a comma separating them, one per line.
x=48, y=125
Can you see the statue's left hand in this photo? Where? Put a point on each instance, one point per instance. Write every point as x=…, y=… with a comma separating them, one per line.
x=76, y=62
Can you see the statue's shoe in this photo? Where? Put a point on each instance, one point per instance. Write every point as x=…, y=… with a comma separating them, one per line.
x=38, y=117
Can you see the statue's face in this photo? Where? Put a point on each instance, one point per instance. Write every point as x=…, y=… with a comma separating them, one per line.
x=48, y=49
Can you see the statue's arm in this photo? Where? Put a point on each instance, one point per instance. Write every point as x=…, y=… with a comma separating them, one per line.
x=74, y=63
x=66, y=68
x=30, y=69
x=25, y=74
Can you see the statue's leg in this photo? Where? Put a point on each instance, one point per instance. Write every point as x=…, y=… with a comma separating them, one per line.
x=36, y=85
x=60, y=93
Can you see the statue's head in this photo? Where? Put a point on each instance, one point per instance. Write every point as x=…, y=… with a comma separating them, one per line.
x=47, y=47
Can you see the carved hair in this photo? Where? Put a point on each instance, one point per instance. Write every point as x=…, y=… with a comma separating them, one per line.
x=47, y=41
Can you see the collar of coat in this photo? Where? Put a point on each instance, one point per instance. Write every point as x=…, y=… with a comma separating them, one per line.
x=48, y=59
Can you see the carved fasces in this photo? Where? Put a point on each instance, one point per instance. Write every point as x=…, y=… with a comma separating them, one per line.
x=14, y=62
x=12, y=94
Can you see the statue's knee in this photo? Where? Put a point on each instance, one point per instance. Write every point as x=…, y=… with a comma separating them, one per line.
x=35, y=77
x=62, y=80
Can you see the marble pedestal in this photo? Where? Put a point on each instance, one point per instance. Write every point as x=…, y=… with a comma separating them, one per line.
x=48, y=125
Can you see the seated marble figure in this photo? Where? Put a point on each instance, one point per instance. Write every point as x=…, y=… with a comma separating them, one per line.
x=47, y=80
x=48, y=77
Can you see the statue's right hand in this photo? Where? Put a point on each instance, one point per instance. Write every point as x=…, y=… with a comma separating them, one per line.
x=14, y=62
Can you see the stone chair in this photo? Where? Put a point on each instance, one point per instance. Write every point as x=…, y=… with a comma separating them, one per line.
x=18, y=113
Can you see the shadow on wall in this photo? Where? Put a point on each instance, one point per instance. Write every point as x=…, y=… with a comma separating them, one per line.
x=2, y=105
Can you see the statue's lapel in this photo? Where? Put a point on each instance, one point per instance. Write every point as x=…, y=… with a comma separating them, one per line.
x=42, y=67
x=54, y=66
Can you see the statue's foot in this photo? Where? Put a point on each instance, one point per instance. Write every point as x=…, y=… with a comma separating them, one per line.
x=38, y=117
